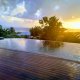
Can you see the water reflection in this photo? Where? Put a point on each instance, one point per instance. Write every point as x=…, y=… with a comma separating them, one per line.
x=52, y=44
x=57, y=49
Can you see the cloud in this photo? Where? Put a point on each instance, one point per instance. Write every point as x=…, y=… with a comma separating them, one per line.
x=38, y=13
x=7, y=11
x=19, y=22
x=4, y=7
x=57, y=7
x=28, y=23
x=20, y=9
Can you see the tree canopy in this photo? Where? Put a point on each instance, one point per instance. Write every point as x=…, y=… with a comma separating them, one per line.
x=49, y=29
x=8, y=32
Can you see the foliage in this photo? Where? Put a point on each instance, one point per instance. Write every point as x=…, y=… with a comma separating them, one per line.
x=12, y=30
x=1, y=31
x=50, y=29
x=36, y=31
x=9, y=32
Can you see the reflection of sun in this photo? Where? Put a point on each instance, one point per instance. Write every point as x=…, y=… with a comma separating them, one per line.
x=22, y=42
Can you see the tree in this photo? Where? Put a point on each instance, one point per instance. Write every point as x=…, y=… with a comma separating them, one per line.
x=1, y=32
x=0, y=26
x=52, y=28
x=49, y=29
x=12, y=30
x=36, y=31
x=7, y=32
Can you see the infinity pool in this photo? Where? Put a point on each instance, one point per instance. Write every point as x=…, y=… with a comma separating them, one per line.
x=70, y=51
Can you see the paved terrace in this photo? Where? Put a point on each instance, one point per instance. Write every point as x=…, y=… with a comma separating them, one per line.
x=18, y=65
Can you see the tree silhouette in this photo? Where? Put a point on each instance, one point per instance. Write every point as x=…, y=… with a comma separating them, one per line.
x=52, y=28
x=49, y=29
x=8, y=32
x=12, y=30
x=36, y=31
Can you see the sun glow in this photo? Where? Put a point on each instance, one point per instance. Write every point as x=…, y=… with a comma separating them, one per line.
x=73, y=24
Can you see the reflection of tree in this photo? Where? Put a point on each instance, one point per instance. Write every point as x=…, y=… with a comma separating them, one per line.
x=52, y=44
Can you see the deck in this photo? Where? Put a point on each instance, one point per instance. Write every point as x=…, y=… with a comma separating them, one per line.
x=16, y=65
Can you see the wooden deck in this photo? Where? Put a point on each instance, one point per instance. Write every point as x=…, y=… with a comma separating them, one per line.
x=15, y=65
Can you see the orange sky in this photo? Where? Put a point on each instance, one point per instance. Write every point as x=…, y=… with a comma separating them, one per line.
x=73, y=23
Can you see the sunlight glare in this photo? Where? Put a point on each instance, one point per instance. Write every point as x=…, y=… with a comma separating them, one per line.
x=72, y=25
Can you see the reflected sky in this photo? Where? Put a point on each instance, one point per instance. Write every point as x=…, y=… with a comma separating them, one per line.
x=69, y=51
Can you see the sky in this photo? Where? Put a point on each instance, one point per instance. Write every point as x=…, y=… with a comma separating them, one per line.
x=26, y=13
